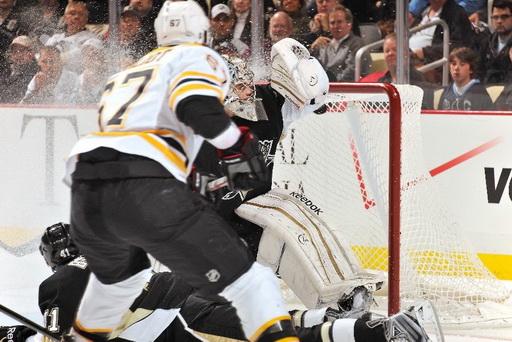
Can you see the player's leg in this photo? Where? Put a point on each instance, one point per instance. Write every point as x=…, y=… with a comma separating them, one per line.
x=405, y=326
x=193, y=241
x=119, y=269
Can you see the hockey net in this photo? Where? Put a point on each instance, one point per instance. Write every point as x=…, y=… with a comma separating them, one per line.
x=341, y=161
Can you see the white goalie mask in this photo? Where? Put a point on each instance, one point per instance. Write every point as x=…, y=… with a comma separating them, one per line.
x=181, y=22
x=241, y=78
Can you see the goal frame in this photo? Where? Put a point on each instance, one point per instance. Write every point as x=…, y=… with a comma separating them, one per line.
x=395, y=167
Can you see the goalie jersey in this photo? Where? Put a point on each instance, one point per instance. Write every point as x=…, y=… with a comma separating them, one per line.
x=138, y=109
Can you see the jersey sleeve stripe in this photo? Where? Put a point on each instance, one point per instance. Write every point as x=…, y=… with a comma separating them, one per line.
x=166, y=133
x=202, y=80
x=177, y=159
x=194, y=74
x=195, y=89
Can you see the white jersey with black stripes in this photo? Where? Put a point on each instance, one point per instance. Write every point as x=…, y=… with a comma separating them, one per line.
x=137, y=112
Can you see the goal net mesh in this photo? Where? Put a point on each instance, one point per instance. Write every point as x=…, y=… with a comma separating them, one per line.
x=340, y=160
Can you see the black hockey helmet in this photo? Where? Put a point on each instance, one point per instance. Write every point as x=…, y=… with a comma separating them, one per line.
x=57, y=247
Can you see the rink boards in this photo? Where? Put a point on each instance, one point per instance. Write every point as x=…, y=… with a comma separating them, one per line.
x=469, y=156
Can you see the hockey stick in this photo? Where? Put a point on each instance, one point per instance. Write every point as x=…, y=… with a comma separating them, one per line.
x=217, y=184
x=31, y=324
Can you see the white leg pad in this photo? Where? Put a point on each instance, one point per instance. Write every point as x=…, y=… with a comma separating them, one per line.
x=313, y=260
x=343, y=330
x=103, y=306
x=256, y=295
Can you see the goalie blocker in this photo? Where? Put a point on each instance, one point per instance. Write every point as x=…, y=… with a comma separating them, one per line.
x=317, y=264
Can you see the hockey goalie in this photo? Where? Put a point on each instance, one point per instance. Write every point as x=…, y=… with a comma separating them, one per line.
x=279, y=228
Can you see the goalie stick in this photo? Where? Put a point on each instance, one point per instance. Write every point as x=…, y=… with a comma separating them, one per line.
x=31, y=324
x=428, y=318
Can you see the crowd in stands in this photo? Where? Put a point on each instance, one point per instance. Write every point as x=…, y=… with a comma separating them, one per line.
x=59, y=51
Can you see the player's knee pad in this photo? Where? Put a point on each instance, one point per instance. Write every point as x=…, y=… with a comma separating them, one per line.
x=103, y=305
x=314, y=261
x=256, y=295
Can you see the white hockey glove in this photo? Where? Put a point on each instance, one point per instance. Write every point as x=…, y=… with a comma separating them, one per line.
x=296, y=75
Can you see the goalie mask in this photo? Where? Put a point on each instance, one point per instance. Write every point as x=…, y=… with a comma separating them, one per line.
x=181, y=22
x=57, y=247
x=242, y=79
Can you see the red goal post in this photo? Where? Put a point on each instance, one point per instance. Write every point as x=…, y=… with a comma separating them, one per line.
x=395, y=123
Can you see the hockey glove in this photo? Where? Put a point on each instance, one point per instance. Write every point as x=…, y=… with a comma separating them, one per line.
x=208, y=185
x=15, y=333
x=243, y=163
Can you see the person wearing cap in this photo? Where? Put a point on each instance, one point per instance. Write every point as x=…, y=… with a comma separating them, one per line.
x=147, y=10
x=91, y=82
x=222, y=30
x=23, y=67
x=74, y=36
x=133, y=42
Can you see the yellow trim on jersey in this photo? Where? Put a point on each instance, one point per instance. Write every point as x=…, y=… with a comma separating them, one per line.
x=195, y=86
x=194, y=74
x=164, y=132
x=81, y=327
x=265, y=326
x=164, y=149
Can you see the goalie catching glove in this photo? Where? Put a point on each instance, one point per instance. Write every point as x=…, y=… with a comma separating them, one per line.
x=243, y=163
x=297, y=76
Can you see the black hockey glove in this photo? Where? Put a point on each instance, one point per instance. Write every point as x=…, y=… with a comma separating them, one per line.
x=208, y=185
x=15, y=333
x=243, y=163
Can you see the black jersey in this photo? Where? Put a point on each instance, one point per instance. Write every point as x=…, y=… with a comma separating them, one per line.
x=268, y=133
x=60, y=294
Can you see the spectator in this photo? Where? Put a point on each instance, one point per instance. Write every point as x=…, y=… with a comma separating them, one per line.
x=91, y=82
x=300, y=21
x=319, y=25
x=23, y=67
x=494, y=57
x=337, y=55
x=48, y=14
x=466, y=92
x=147, y=10
x=222, y=30
x=427, y=44
x=504, y=100
x=75, y=35
x=52, y=84
x=13, y=23
x=470, y=6
x=390, y=76
x=242, y=26
x=132, y=41
x=281, y=26
x=365, y=11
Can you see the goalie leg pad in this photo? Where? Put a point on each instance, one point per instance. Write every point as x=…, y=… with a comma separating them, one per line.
x=317, y=265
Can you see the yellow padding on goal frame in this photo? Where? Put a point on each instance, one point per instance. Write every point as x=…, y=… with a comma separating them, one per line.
x=498, y=264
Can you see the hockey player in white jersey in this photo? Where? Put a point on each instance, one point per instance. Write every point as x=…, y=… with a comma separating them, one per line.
x=130, y=197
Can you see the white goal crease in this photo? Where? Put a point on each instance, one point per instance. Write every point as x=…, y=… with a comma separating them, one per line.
x=340, y=160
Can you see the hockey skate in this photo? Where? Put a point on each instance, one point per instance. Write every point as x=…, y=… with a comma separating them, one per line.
x=409, y=325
